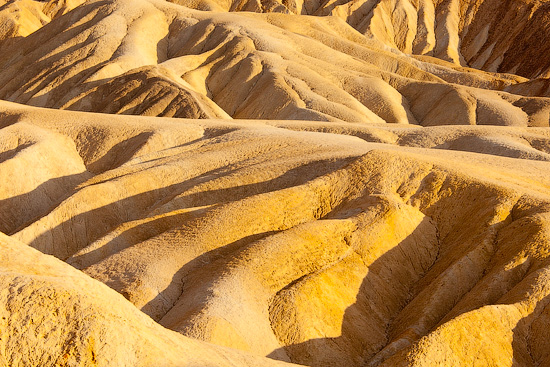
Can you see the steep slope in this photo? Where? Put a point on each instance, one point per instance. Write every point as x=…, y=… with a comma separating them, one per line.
x=19, y=18
x=324, y=244
x=492, y=35
x=305, y=182
x=158, y=59
x=52, y=314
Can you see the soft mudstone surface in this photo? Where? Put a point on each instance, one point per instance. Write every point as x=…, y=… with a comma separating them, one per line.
x=156, y=58
x=53, y=314
x=330, y=244
x=347, y=183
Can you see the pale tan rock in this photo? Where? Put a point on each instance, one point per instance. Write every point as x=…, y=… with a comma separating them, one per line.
x=324, y=244
x=153, y=58
x=311, y=189
x=20, y=18
x=54, y=315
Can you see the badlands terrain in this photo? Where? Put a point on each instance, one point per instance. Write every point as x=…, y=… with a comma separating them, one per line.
x=265, y=182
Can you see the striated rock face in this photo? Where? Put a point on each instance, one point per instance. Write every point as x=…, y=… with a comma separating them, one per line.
x=365, y=186
x=493, y=35
x=19, y=18
x=154, y=58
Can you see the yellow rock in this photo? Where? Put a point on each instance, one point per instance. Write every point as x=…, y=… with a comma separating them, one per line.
x=321, y=183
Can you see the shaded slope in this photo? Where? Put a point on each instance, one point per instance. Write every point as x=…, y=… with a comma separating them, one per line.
x=156, y=58
x=311, y=232
x=52, y=314
x=292, y=240
x=492, y=35
x=19, y=18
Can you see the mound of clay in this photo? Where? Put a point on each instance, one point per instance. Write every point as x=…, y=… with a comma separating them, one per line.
x=320, y=244
x=340, y=189
x=19, y=18
x=491, y=35
x=53, y=314
x=153, y=58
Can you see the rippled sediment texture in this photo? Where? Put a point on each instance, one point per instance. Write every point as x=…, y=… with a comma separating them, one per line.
x=329, y=201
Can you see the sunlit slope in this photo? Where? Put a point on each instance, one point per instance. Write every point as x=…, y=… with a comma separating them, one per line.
x=492, y=35
x=19, y=18
x=327, y=201
x=330, y=244
x=154, y=58
x=54, y=315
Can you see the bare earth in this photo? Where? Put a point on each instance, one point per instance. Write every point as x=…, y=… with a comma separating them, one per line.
x=339, y=183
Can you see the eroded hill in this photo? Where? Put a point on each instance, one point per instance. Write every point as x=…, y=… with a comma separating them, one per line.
x=492, y=35
x=329, y=201
x=159, y=59
x=292, y=240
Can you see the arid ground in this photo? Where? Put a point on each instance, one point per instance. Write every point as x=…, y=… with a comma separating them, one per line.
x=262, y=182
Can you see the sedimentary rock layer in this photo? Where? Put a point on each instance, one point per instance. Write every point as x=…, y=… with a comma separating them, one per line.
x=339, y=183
x=153, y=58
x=320, y=244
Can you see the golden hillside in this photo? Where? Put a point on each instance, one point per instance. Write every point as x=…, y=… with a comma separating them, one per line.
x=305, y=183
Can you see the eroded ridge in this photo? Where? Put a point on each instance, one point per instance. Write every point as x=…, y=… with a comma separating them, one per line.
x=320, y=244
x=155, y=58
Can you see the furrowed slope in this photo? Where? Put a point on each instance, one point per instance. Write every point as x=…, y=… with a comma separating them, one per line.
x=19, y=18
x=327, y=201
x=492, y=35
x=53, y=314
x=322, y=244
x=159, y=59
